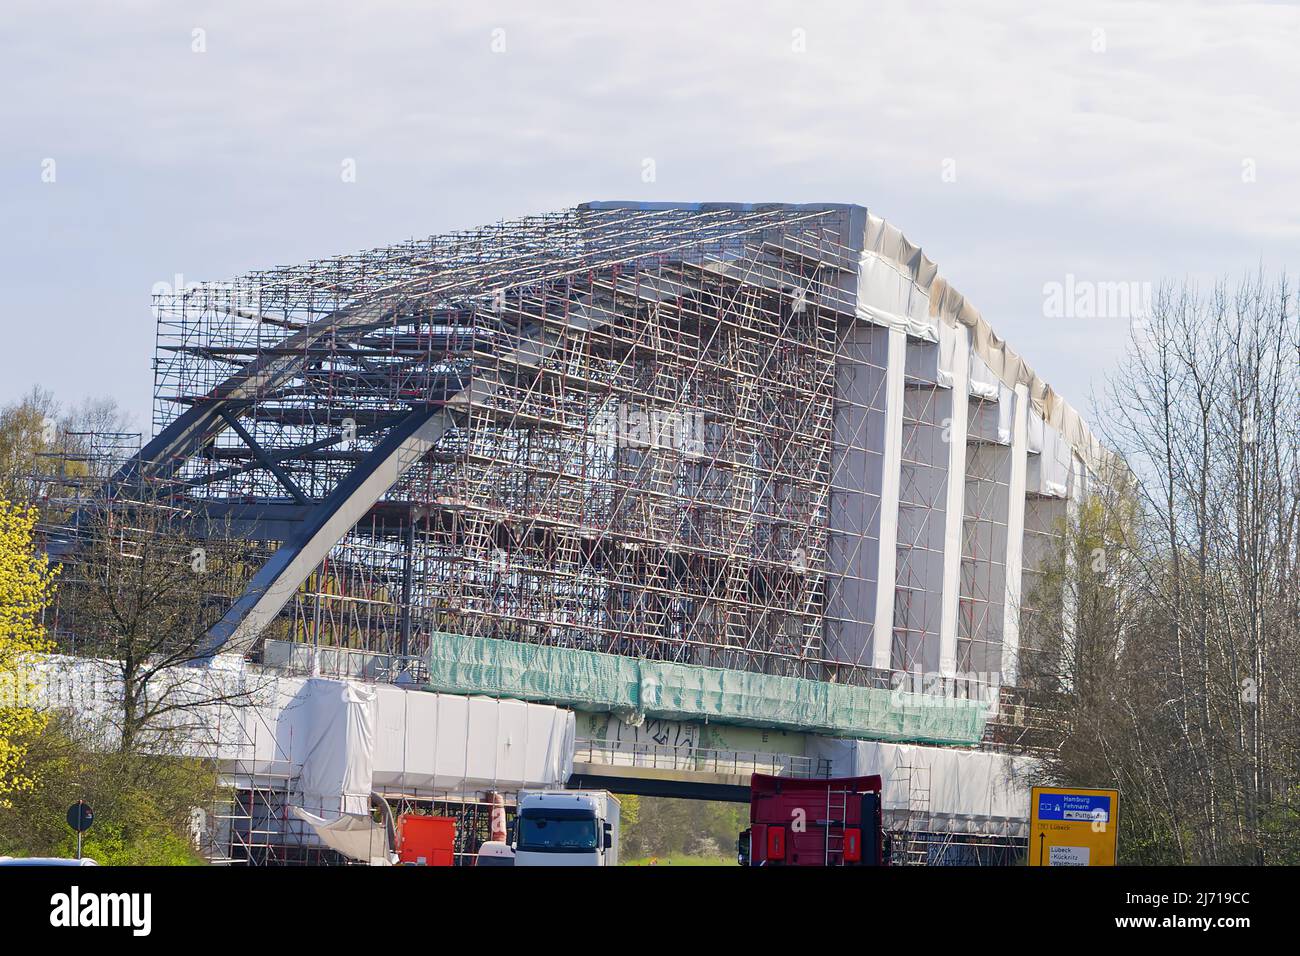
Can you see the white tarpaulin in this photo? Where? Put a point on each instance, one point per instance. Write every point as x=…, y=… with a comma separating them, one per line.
x=951, y=790
x=349, y=738
x=1050, y=460
x=356, y=836
x=448, y=742
x=338, y=740
x=900, y=287
x=337, y=730
x=991, y=415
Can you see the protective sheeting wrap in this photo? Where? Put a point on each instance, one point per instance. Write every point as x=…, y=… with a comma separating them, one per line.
x=356, y=836
x=441, y=742
x=337, y=729
x=941, y=789
x=888, y=296
x=91, y=688
x=594, y=681
x=403, y=740
x=899, y=286
x=950, y=343
x=993, y=404
x=1051, y=460
x=339, y=740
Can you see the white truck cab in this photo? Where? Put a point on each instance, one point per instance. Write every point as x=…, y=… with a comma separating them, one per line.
x=566, y=828
x=495, y=853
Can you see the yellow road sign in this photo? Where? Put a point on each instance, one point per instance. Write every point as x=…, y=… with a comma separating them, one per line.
x=1069, y=826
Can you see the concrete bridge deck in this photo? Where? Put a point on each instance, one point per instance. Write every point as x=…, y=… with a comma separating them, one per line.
x=696, y=774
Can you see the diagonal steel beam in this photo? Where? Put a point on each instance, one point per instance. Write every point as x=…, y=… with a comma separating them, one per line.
x=263, y=458
x=198, y=425
x=400, y=450
x=323, y=526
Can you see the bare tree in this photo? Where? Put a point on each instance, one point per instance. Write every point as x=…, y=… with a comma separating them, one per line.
x=47, y=453
x=1199, y=727
x=26, y=431
x=142, y=588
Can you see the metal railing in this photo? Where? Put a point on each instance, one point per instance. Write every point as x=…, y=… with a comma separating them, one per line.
x=344, y=663
x=698, y=759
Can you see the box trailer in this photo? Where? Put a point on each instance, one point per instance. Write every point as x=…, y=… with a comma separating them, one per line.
x=833, y=821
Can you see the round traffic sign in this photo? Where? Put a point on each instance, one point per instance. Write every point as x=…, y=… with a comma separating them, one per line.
x=80, y=816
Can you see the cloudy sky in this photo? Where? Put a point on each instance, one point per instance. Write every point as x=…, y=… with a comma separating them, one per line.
x=1018, y=143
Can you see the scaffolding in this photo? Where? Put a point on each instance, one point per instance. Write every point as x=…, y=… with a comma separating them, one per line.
x=75, y=465
x=928, y=411
x=981, y=605
x=656, y=485
x=663, y=436
x=252, y=822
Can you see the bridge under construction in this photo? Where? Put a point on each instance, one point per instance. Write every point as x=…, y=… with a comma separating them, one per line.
x=756, y=470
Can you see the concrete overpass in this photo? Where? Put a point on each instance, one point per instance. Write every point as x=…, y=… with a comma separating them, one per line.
x=695, y=774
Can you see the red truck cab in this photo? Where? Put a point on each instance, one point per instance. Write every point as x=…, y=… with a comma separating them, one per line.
x=813, y=822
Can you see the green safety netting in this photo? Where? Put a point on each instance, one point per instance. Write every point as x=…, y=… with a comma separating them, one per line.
x=592, y=681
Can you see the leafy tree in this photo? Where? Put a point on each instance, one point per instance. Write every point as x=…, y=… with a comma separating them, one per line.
x=666, y=827
x=630, y=809
x=26, y=589
x=143, y=803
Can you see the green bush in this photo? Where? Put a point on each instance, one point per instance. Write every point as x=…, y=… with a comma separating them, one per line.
x=143, y=803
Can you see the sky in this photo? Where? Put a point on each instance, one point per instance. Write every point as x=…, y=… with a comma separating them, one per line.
x=1027, y=147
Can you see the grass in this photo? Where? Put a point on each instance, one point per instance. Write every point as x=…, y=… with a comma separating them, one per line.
x=681, y=860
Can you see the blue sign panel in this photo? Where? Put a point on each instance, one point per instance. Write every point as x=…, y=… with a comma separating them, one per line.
x=1073, y=806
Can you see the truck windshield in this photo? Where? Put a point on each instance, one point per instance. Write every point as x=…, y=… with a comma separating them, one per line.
x=555, y=833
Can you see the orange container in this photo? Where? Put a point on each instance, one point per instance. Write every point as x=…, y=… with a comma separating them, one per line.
x=426, y=841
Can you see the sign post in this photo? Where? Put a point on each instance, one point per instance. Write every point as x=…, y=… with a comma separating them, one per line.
x=80, y=817
x=1070, y=826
